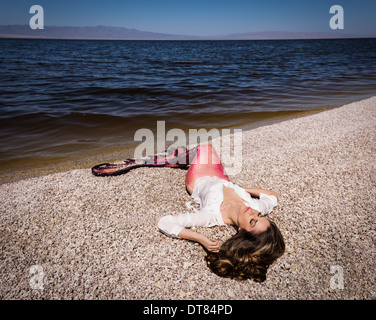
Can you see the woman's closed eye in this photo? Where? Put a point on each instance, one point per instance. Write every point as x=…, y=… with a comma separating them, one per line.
x=253, y=222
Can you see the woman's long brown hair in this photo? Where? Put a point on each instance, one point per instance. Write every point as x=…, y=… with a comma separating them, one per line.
x=247, y=255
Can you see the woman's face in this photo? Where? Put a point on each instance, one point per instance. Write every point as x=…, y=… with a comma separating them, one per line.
x=251, y=220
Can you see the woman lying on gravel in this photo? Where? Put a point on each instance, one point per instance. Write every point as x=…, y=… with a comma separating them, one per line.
x=258, y=243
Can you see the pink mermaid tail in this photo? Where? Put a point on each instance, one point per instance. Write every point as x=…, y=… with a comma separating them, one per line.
x=175, y=158
x=205, y=163
x=202, y=160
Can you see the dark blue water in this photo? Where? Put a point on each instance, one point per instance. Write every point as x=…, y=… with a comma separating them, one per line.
x=66, y=98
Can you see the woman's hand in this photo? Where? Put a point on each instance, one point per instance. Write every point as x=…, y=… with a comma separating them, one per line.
x=256, y=192
x=212, y=246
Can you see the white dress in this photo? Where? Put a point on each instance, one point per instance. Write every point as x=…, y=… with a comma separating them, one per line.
x=208, y=193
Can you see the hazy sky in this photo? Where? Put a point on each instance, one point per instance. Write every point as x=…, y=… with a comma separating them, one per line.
x=198, y=17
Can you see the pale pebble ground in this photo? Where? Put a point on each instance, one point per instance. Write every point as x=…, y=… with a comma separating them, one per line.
x=96, y=238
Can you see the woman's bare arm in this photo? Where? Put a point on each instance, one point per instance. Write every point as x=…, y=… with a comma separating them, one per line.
x=188, y=234
x=256, y=192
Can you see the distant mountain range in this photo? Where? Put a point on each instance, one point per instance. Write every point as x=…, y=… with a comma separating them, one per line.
x=119, y=33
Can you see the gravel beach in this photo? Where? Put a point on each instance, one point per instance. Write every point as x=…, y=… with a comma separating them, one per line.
x=71, y=235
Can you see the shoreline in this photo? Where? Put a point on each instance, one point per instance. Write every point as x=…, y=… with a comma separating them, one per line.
x=32, y=167
x=96, y=238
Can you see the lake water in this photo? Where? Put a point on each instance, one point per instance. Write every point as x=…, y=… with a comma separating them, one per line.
x=64, y=100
